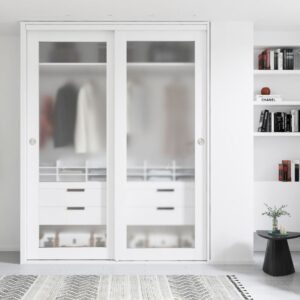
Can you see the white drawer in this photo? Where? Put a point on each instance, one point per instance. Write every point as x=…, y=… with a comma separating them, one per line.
x=72, y=196
x=161, y=215
x=72, y=215
x=170, y=196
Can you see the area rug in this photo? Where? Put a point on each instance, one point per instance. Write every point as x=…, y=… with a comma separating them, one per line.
x=121, y=287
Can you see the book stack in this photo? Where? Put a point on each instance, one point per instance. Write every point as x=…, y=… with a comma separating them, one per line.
x=279, y=121
x=276, y=59
x=289, y=170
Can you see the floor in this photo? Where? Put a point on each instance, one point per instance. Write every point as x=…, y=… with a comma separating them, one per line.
x=259, y=284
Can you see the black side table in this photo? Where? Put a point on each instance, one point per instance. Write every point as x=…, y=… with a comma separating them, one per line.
x=278, y=259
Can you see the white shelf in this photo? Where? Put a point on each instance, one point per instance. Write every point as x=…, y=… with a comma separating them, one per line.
x=155, y=66
x=70, y=67
x=282, y=103
x=276, y=134
x=276, y=72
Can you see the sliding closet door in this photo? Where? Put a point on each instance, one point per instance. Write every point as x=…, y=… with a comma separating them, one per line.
x=161, y=112
x=69, y=96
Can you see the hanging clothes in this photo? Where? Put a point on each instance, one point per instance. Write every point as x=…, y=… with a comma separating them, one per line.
x=90, y=129
x=65, y=115
x=46, y=120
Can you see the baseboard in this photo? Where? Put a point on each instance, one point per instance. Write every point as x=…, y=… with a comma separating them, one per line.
x=9, y=248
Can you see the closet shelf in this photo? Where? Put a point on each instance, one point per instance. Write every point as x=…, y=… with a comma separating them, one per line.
x=67, y=67
x=276, y=72
x=276, y=134
x=282, y=103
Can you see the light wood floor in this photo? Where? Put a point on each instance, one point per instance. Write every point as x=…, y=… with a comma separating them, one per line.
x=259, y=284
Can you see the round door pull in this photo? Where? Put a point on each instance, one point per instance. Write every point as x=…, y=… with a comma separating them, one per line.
x=32, y=141
x=201, y=141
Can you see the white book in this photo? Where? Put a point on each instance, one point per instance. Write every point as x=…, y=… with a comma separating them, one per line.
x=292, y=171
x=293, y=113
x=272, y=63
x=280, y=61
x=296, y=121
x=272, y=122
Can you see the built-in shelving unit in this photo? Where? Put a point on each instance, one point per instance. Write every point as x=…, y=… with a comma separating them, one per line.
x=270, y=148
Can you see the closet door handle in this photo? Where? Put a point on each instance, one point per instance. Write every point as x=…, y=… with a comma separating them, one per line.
x=201, y=141
x=75, y=190
x=32, y=141
x=165, y=190
x=165, y=208
x=75, y=208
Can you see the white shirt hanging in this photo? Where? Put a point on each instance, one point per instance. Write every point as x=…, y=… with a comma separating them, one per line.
x=90, y=128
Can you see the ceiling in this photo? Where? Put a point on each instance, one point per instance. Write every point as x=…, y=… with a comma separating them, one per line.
x=265, y=14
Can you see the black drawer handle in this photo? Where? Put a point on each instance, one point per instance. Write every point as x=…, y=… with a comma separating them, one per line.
x=165, y=208
x=75, y=208
x=75, y=190
x=165, y=190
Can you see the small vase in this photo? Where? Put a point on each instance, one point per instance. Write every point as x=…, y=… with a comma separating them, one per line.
x=275, y=225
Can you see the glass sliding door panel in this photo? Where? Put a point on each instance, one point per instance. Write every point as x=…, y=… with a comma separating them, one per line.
x=160, y=113
x=160, y=135
x=72, y=142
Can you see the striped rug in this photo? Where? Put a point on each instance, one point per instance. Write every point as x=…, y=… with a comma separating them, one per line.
x=119, y=287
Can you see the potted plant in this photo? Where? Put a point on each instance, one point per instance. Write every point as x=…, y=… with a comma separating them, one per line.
x=275, y=213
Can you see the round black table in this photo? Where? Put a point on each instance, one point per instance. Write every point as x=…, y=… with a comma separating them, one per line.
x=278, y=259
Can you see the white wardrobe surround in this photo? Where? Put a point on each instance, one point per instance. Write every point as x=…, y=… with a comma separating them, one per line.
x=229, y=178
x=140, y=192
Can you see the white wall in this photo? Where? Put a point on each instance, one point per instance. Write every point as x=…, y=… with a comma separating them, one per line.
x=9, y=143
x=231, y=142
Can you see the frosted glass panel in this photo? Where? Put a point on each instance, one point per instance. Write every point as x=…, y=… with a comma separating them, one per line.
x=72, y=121
x=160, y=51
x=72, y=144
x=160, y=114
x=160, y=237
x=69, y=52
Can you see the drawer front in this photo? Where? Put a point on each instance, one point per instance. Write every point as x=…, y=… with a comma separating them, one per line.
x=150, y=197
x=161, y=215
x=72, y=196
x=72, y=215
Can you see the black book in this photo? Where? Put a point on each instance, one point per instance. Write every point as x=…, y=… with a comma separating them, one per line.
x=284, y=59
x=298, y=120
x=269, y=125
x=296, y=172
x=291, y=59
x=283, y=122
x=277, y=118
x=275, y=60
x=265, y=121
x=288, y=123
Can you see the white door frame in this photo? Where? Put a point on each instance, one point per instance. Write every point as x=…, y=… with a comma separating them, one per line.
x=79, y=31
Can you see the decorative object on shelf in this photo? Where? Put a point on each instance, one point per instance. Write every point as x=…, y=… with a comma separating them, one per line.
x=282, y=230
x=275, y=213
x=268, y=98
x=265, y=91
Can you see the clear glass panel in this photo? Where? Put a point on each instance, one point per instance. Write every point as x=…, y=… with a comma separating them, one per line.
x=160, y=125
x=72, y=118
